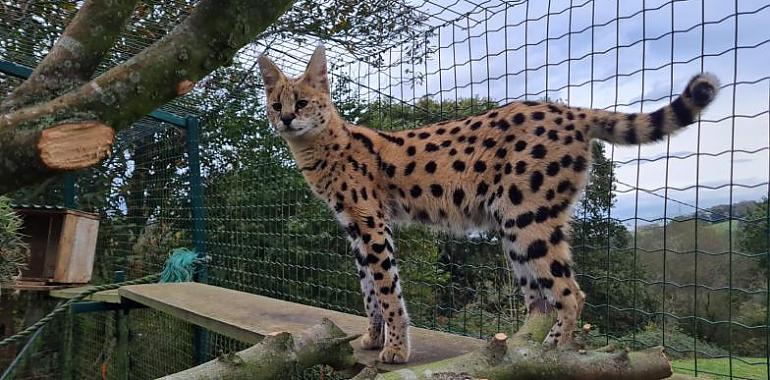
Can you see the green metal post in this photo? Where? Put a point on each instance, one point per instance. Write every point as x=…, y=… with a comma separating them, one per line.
x=69, y=190
x=198, y=227
x=122, y=360
x=68, y=345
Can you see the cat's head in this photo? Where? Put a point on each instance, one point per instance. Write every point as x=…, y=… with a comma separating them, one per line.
x=298, y=106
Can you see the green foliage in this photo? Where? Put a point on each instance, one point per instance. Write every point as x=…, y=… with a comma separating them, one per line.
x=13, y=251
x=723, y=368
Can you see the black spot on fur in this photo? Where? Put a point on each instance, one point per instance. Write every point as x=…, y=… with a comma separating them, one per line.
x=563, y=186
x=539, y=151
x=519, y=118
x=415, y=191
x=482, y=188
x=411, y=151
x=545, y=283
x=524, y=219
x=538, y=115
x=479, y=166
x=458, y=166
x=409, y=169
x=535, y=181
x=521, y=167
x=385, y=264
x=580, y=164
x=364, y=140
x=436, y=190
x=557, y=269
x=553, y=135
x=423, y=135
x=394, y=139
x=539, y=131
x=501, y=152
x=489, y=143
x=557, y=236
x=476, y=125
x=431, y=147
x=457, y=197
x=566, y=160
x=553, y=168
x=430, y=167
x=515, y=195
x=520, y=145
x=537, y=249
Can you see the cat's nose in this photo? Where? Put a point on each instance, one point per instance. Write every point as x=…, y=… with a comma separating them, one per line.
x=287, y=119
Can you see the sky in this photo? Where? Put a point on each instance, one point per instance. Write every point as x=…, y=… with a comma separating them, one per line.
x=481, y=52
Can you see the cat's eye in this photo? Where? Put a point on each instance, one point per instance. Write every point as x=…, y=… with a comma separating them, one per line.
x=277, y=106
x=301, y=104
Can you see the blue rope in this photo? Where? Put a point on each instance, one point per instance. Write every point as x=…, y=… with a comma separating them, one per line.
x=181, y=265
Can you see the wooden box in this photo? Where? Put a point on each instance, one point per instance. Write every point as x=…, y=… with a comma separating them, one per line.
x=62, y=244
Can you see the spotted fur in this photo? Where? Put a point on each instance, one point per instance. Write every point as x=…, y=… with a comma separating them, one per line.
x=516, y=170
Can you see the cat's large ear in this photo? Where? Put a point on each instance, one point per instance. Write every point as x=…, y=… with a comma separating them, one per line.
x=271, y=74
x=315, y=73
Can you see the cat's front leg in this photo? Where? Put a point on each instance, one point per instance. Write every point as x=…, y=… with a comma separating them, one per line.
x=374, y=337
x=374, y=249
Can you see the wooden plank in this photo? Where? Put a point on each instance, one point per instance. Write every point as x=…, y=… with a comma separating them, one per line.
x=34, y=285
x=248, y=318
x=108, y=296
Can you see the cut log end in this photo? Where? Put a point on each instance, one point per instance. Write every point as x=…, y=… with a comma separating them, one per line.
x=73, y=146
x=184, y=87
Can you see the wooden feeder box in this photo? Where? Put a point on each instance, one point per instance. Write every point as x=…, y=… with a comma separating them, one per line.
x=62, y=244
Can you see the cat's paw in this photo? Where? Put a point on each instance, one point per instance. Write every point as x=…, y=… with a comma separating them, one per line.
x=394, y=354
x=372, y=340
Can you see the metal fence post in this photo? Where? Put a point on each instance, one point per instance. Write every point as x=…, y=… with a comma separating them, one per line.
x=198, y=223
x=69, y=190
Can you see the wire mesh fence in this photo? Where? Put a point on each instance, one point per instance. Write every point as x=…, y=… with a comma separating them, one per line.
x=670, y=240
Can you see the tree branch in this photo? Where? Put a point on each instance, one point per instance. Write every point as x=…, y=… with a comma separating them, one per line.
x=76, y=54
x=207, y=39
x=524, y=357
x=279, y=356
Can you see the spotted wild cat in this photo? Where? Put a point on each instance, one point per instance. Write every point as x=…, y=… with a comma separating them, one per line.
x=516, y=170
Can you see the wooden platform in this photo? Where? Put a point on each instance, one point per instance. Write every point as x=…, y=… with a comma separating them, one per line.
x=248, y=318
x=108, y=296
x=35, y=286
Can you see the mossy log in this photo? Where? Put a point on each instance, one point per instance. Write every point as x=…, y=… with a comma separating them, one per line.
x=280, y=356
x=206, y=39
x=523, y=356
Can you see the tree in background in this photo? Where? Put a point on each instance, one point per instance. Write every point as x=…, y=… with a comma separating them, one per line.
x=754, y=234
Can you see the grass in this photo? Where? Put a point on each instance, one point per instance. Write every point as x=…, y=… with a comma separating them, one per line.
x=743, y=368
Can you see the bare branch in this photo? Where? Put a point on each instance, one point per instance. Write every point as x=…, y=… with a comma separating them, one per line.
x=76, y=55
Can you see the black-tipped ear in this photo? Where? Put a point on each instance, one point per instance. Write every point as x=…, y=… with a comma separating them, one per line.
x=315, y=74
x=271, y=74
